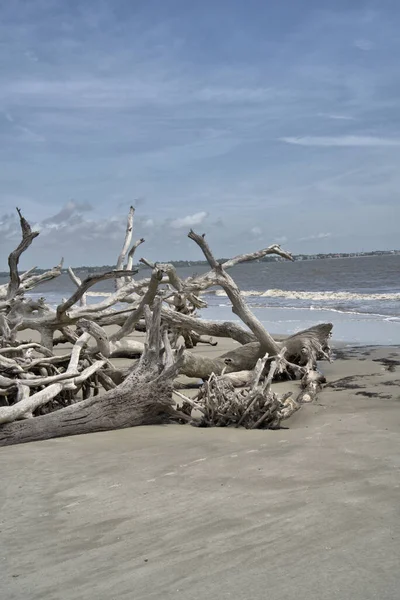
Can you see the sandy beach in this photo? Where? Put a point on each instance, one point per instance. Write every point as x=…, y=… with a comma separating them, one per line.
x=307, y=512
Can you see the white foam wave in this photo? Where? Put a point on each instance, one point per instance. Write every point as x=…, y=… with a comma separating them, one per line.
x=99, y=294
x=320, y=296
x=366, y=315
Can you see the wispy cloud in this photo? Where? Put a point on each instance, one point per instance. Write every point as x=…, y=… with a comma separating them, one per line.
x=317, y=236
x=364, y=45
x=342, y=141
x=337, y=117
x=256, y=231
x=189, y=220
x=127, y=101
x=31, y=56
x=281, y=239
x=70, y=209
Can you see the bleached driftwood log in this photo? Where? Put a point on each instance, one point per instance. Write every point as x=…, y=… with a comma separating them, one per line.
x=82, y=391
x=302, y=348
x=246, y=399
x=220, y=403
x=144, y=398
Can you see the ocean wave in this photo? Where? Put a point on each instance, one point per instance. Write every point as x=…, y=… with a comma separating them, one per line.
x=341, y=311
x=320, y=296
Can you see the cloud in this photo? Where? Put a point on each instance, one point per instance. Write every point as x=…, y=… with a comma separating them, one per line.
x=341, y=141
x=30, y=55
x=128, y=92
x=318, y=236
x=29, y=135
x=69, y=210
x=281, y=240
x=189, y=220
x=9, y=226
x=364, y=45
x=256, y=231
x=129, y=106
x=148, y=223
x=336, y=117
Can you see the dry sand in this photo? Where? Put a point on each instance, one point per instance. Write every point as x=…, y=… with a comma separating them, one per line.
x=310, y=512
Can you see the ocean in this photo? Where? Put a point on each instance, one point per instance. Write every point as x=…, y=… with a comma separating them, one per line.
x=360, y=296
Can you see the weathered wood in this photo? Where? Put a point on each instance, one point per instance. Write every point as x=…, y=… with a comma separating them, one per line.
x=253, y=406
x=206, y=327
x=311, y=384
x=27, y=238
x=88, y=283
x=237, y=387
x=29, y=283
x=239, y=305
x=244, y=358
x=144, y=398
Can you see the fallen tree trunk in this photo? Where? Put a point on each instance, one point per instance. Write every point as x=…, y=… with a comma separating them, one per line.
x=144, y=398
x=63, y=393
x=303, y=348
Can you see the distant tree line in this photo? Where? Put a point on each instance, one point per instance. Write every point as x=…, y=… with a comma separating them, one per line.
x=201, y=263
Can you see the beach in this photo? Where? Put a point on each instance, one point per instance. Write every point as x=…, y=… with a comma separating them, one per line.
x=307, y=512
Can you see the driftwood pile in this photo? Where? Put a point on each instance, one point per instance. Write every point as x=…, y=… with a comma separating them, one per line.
x=247, y=400
x=46, y=391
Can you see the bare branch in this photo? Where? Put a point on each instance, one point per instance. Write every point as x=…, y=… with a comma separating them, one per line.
x=147, y=299
x=78, y=282
x=132, y=251
x=201, y=241
x=86, y=284
x=205, y=327
x=30, y=403
x=5, y=330
x=26, y=274
x=28, y=346
x=98, y=334
x=27, y=238
x=239, y=305
x=31, y=282
x=148, y=263
x=274, y=249
x=126, y=244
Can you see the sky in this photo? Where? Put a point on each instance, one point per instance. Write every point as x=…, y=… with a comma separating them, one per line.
x=252, y=121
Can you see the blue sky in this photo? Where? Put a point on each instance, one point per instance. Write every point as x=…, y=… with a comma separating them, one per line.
x=252, y=121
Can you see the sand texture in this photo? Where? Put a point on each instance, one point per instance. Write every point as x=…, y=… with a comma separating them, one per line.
x=310, y=512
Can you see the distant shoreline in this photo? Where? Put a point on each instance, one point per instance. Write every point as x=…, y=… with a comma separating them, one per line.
x=203, y=263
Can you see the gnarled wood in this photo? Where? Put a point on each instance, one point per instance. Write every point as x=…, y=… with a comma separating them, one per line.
x=144, y=398
x=27, y=238
x=237, y=389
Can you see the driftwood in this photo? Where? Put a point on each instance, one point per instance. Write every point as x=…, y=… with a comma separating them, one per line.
x=255, y=406
x=45, y=394
x=144, y=398
x=246, y=399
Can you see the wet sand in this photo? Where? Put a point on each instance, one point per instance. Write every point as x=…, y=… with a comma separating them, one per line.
x=308, y=512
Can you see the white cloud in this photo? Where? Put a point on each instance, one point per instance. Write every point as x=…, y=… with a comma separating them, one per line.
x=69, y=210
x=29, y=135
x=134, y=90
x=341, y=140
x=30, y=55
x=336, y=117
x=364, y=45
x=149, y=223
x=256, y=231
x=281, y=240
x=317, y=236
x=189, y=220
